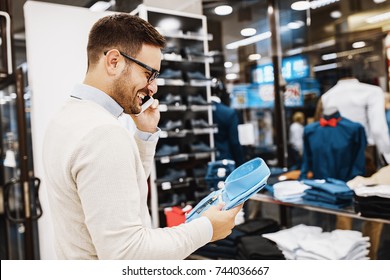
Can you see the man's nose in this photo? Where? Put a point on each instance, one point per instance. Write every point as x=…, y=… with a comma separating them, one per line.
x=152, y=87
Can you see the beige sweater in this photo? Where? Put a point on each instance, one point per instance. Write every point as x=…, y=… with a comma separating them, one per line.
x=96, y=176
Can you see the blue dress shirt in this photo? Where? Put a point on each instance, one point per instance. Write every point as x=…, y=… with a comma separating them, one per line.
x=335, y=152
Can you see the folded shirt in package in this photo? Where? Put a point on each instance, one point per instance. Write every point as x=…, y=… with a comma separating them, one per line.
x=245, y=181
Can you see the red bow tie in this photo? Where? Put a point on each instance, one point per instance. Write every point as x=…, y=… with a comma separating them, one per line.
x=331, y=122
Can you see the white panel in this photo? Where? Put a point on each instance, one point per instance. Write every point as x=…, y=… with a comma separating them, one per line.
x=56, y=39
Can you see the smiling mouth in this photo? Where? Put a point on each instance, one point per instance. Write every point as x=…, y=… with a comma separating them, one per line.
x=143, y=98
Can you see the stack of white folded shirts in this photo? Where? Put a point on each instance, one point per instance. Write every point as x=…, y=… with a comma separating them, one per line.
x=287, y=239
x=290, y=191
x=310, y=243
x=378, y=190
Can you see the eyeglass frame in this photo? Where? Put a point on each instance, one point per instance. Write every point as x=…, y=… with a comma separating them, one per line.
x=154, y=73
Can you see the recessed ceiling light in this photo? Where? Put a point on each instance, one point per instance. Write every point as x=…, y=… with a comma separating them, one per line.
x=359, y=44
x=248, y=31
x=335, y=14
x=329, y=56
x=295, y=24
x=300, y=5
x=249, y=40
x=315, y=4
x=231, y=76
x=223, y=10
x=254, y=56
x=379, y=1
x=228, y=64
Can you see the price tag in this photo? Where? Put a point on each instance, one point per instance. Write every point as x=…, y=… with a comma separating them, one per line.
x=166, y=186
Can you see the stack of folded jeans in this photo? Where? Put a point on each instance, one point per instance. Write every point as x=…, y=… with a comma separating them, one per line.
x=329, y=193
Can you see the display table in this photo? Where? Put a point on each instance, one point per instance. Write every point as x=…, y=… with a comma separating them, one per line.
x=284, y=219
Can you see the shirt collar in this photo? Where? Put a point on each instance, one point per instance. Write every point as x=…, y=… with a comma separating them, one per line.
x=335, y=115
x=86, y=92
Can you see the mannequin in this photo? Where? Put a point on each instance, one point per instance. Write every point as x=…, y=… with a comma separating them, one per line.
x=362, y=103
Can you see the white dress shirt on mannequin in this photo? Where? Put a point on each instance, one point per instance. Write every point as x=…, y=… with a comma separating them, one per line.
x=362, y=103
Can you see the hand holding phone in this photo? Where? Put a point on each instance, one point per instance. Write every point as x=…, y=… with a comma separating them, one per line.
x=146, y=102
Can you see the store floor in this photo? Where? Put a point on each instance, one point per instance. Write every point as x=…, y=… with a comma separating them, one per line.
x=325, y=221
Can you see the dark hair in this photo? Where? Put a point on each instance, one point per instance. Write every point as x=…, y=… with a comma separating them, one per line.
x=123, y=31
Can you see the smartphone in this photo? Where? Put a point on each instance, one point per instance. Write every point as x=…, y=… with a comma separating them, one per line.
x=146, y=102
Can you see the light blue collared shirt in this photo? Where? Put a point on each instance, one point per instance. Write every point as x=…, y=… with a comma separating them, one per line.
x=86, y=92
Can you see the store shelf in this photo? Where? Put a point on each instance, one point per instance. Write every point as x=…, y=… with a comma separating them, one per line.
x=184, y=91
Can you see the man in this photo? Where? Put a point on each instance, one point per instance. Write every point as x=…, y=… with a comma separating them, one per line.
x=96, y=170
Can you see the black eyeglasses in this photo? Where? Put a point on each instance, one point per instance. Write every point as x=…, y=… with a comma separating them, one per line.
x=153, y=72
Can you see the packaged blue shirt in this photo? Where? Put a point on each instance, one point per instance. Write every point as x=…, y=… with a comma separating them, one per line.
x=240, y=185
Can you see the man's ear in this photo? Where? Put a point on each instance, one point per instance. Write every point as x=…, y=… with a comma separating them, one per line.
x=113, y=62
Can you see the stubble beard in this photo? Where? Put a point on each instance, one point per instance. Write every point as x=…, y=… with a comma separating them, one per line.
x=129, y=102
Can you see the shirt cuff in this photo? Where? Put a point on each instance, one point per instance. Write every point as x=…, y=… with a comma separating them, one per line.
x=147, y=136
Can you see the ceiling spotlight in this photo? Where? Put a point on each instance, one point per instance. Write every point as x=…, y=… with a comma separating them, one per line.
x=300, y=5
x=231, y=76
x=295, y=24
x=223, y=10
x=379, y=1
x=336, y=14
x=254, y=56
x=329, y=56
x=228, y=64
x=248, y=32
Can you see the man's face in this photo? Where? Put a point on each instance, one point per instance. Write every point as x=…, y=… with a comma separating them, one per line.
x=132, y=85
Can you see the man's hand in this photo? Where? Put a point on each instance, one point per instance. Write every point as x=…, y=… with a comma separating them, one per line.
x=222, y=221
x=148, y=120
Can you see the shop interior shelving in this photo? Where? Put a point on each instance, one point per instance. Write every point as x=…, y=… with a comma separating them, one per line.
x=186, y=143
